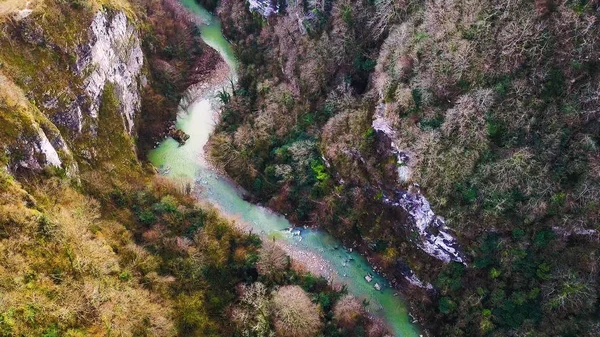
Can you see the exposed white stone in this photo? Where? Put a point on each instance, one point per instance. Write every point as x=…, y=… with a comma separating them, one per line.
x=382, y=125
x=442, y=245
x=113, y=55
x=414, y=280
x=38, y=152
x=76, y=111
x=264, y=7
x=48, y=150
x=23, y=13
x=565, y=233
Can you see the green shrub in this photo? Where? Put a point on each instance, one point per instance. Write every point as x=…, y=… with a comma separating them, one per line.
x=431, y=123
x=554, y=86
x=7, y=322
x=147, y=217
x=46, y=228
x=544, y=237
x=446, y=305
x=468, y=193
x=347, y=15
x=51, y=331
x=312, y=283
x=125, y=276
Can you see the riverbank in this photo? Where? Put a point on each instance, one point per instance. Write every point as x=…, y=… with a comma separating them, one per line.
x=302, y=261
x=313, y=251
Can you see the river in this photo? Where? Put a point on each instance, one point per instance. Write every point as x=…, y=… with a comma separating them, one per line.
x=318, y=250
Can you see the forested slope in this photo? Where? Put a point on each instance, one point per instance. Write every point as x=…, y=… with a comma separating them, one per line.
x=356, y=116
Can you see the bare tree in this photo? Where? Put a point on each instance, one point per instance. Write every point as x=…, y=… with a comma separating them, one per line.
x=252, y=314
x=348, y=311
x=295, y=315
x=272, y=259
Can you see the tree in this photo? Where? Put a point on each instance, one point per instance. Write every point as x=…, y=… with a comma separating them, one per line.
x=271, y=259
x=567, y=292
x=252, y=315
x=348, y=311
x=294, y=313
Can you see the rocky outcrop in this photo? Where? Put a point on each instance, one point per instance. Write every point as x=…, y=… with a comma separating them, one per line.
x=409, y=275
x=38, y=149
x=35, y=153
x=111, y=53
x=435, y=237
x=586, y=234
x=265, y=8
x=403, y=163
x=114, y=55
x=28, y=139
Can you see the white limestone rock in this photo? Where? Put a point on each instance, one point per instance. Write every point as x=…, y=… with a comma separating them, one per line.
x=265, y=8
x=37, y=151
x=114, y=55
x=48, y=150
x=435, y=237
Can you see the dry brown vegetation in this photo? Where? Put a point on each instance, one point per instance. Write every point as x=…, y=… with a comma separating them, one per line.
x=73, y=262
x=295, y=314
x=348, y=311
x=105, y=247
x=60, y=270
x=272, y=260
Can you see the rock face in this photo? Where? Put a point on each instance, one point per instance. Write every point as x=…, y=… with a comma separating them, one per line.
x=48, y=150
x=265, y=8
x=37, y=152
x=111, y=53
x=114, y=55
x=34, y=142
x=381, y=125
x=435, y=237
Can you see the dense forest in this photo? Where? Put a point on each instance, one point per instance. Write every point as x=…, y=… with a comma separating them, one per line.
x=489, y=109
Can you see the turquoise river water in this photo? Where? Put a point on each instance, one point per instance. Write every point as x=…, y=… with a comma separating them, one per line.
x=188, y=163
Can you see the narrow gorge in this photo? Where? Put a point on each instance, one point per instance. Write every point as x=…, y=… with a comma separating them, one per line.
x=258, y=168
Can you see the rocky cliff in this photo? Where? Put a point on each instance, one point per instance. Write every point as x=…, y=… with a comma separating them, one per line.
x=113, y=55
x=53, y=83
